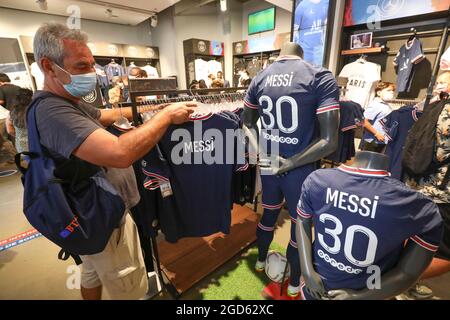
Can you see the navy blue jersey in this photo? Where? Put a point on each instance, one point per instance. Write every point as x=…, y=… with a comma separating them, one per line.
x=288, y=96
x=196, y=198
x=351, y=117
x=397, y=125
x=310, y=27
x=408, y=56
x=362, y=219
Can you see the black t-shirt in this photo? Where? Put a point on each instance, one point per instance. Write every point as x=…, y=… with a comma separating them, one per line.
x=8, y=93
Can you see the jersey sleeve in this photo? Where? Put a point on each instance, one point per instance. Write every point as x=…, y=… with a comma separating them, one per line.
x=417, y=54
x=348, y=121
x=251, y=100
x=155, y=169
x=304, y=206
x=427, y=224
x=327, y=92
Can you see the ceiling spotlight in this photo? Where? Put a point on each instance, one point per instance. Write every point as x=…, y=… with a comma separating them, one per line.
x=223, y=5
x=42, y=4
x=154, y=21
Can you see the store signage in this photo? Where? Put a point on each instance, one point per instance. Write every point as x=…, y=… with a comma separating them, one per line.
x=370, y=11
x=216, y=48
x=310, y=28
x=201, y=45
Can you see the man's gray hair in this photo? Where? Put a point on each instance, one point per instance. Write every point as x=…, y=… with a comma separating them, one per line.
x=48, y=41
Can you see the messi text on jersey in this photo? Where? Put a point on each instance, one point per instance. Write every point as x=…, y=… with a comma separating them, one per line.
x=352, y=203
x=279, y=80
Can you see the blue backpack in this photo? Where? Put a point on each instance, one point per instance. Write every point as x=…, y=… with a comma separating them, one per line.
x=78, y=212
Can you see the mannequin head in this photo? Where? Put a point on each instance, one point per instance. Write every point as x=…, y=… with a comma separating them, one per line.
x=385, y=91
x=291, y=49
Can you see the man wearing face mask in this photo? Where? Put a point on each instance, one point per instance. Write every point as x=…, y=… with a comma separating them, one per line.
x=378, y=109
x=69, y=129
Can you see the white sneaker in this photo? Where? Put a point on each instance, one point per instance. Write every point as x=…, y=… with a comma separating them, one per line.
x=293, y=292
x=260, y=266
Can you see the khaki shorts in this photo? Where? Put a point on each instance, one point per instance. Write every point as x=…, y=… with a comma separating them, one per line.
x=120, y=267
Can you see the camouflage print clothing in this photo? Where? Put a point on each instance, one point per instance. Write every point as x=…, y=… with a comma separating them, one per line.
x=429, y=185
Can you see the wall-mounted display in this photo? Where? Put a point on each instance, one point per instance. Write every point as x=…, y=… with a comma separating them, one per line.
x=368, y=11
x=261, y=21
x=310, y=28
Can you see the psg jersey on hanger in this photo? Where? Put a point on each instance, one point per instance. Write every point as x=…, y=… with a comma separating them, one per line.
x=362, y=219
x=397, y=125
x=194, y=179
x=289, y=95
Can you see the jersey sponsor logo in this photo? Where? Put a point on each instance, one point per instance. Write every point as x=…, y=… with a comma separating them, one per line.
x=279, y=139
x=338, y=265
x=279, y=80
x=199, y=146
x=352, y=203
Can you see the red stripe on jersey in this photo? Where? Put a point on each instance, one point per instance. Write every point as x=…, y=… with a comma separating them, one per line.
x=201, y=118
x=366, y=172
x=293, y=243
x=424, y=244
x=327, y=109
x=250, y=105
x=272, y=207
x=349, y=128
x=262, y=227
x=151, y=174
x=303, y=214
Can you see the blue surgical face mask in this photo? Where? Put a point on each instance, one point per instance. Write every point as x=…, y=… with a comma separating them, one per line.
x=80, y=84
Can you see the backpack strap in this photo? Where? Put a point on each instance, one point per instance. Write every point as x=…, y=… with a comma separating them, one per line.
x=64, y=255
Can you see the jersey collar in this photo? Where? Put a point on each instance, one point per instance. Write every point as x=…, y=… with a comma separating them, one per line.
x=288, y=57
x=364, y=172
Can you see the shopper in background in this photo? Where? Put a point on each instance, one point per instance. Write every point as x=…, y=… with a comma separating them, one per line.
x=115, y=94
x=8, y=92
x=226, y=83
x=374, y=138
x=142, y=74
x=202, y=85
x=134, y=72
x=210, y=80
x=70, y=129
x=244, y=79
x=431, y=187
x=16, y=122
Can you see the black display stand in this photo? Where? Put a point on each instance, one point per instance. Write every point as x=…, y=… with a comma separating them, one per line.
x=242, y=58
x=199, y=49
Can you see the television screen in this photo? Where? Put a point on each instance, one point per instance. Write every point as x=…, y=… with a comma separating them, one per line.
x=310, y=28
x=261, y=21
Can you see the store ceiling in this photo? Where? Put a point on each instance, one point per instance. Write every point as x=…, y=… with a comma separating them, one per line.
x=130, y=12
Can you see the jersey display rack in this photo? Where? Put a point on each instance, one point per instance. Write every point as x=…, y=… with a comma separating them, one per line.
x=182, y=264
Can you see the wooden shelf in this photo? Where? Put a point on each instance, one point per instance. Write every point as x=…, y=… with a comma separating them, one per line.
x=362, y=51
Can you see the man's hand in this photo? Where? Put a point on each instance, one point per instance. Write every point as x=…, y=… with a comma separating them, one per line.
x=379, y=136
x=343, y=294
x=179, y=112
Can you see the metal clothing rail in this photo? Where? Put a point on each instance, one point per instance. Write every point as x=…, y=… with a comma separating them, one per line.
x=220, y=93
x=430, y=33
x=135, y=94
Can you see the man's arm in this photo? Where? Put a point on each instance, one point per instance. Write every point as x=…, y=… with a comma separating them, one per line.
x=109, y=116
x=104, y=149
